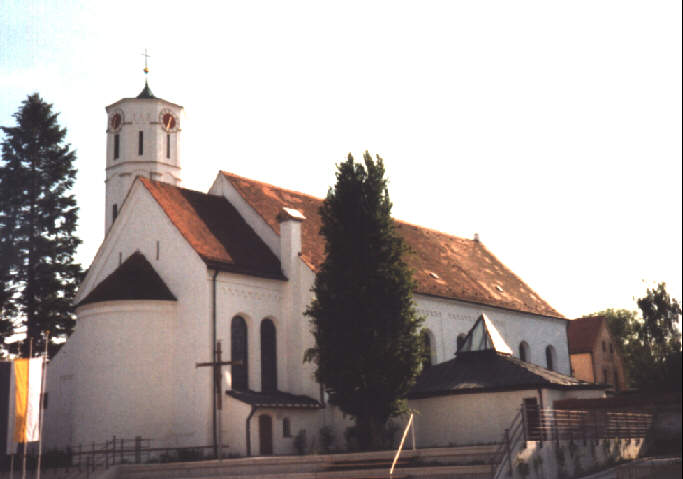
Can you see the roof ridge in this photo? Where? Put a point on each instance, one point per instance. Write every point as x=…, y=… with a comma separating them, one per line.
x=287, y=190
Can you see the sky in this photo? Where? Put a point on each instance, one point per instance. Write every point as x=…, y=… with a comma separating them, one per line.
x=551, y=129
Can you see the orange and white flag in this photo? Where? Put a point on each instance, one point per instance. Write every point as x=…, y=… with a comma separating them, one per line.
x=28, y=374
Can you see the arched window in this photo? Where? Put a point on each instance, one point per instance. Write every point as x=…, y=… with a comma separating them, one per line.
x=524, y=351
x=461, y=341
x=238, y=352
x=268, y=356
x=550, y=358
x=427, y=348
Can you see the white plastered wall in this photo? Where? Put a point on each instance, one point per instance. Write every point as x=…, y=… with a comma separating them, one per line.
x=140, y=225
x=447, y=318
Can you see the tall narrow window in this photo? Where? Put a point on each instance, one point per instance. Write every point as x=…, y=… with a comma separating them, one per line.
x=550, y=357
x=238, y=352
x=168, y=146
x=460, y=341
x=524, y=351
x=268, y=356
x=426, y=348
x=140, y=143
x=114, y=212
x=116, y=147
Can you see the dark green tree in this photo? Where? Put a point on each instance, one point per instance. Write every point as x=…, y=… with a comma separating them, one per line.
x=367, y=344
x=38, y=218
x=650, y=342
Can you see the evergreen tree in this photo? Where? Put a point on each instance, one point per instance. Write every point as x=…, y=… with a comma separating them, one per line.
x=37, y=223
x=367, y=348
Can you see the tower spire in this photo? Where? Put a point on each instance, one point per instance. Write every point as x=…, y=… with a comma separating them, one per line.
x=146, y=92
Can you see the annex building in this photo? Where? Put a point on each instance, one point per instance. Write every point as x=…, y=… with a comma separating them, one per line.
x=181, y=272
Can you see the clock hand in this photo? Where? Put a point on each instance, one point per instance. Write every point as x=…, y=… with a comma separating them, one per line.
x=168, y=123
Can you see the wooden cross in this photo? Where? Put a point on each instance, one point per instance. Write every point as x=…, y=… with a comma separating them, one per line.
x=146, y=70
x=216, y=365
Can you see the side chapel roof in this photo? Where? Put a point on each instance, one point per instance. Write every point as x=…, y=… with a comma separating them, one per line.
x=582, y=333
x=135, y=278
x=444, y=265
x=274, y=399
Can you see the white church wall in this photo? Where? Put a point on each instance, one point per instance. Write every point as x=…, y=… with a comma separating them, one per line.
x=447, y=319
x=57, y=426
x=143, y=226
x=120, y=391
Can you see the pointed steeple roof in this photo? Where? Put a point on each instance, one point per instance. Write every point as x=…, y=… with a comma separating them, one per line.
x=484, y=337
x=146, y=92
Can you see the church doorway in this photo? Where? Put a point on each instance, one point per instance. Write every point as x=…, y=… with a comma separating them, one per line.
x=265, y=434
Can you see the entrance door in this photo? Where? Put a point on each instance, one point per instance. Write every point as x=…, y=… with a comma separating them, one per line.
x=532, y=419
x=265, y=434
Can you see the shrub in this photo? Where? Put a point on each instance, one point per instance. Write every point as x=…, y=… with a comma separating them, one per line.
x=300, y=442
x=326, y=438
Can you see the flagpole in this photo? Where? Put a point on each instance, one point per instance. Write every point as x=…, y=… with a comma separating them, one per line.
x=23, y=465
x=42, y=400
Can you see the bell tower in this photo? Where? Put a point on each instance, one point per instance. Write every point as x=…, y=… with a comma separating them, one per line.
x=143, y=139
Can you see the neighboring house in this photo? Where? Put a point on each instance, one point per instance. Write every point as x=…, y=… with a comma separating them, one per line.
x=594, y=354
x=181, y=272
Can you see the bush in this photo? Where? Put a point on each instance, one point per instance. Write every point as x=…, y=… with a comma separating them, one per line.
x=300, y=442
x=326, y=439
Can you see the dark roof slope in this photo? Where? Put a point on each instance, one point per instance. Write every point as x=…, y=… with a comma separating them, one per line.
x=135, y=278
x=582, y=334
x=486, y=371
x=444, y=265
x=274, y=399
x=215, y=230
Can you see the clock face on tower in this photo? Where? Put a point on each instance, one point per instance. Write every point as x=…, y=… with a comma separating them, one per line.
x=116, y=120
x=168, y=120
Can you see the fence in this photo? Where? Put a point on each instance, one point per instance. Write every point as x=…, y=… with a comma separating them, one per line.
x=532, y=423
x=90, y=457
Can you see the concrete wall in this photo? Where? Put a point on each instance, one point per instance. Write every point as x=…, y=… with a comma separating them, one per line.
x=568, y=459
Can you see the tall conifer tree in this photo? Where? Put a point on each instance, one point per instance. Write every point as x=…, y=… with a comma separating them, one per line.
x=38, y=218
x=367, y=349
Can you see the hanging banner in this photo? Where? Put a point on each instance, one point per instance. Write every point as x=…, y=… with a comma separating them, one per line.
x=27, y=392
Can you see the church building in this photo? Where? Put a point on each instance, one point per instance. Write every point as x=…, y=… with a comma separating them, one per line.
x=182, y=275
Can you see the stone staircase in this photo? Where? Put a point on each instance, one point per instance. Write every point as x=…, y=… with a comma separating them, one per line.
x=456, y=462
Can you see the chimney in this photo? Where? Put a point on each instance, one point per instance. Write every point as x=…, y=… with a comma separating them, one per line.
x=476, y=236
x=290, y=239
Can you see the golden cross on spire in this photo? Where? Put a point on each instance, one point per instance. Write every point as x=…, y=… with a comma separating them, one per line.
x=146, y=70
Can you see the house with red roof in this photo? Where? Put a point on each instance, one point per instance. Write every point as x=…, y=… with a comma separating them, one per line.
x=191, y=327
x=594, y=354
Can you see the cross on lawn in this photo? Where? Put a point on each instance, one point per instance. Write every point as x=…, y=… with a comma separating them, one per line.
x=216, y=365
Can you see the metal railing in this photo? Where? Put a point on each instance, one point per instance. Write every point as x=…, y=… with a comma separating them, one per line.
x=96, y=456
x=544, y=425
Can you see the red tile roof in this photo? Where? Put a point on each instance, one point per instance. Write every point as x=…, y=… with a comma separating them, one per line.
x=582, y=334
x=215, y=230
x=444, y=265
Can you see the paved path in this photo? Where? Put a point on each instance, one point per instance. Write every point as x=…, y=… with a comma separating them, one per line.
x=666, y=468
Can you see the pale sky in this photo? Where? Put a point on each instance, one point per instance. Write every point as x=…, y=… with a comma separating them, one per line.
x=552, y=129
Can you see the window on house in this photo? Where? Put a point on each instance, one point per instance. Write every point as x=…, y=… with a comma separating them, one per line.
x=286, y=428
x=114, y=212
x=45, y=400
x=268, y=356
x=238, y=352
x=550, y=358
x=611, y=348
x=168, y=146
x=426, y=348
x=116, y=146
x=605, y=375
x=140, y=143
x=604, y=347
x=524, y=351
x=461, y=341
